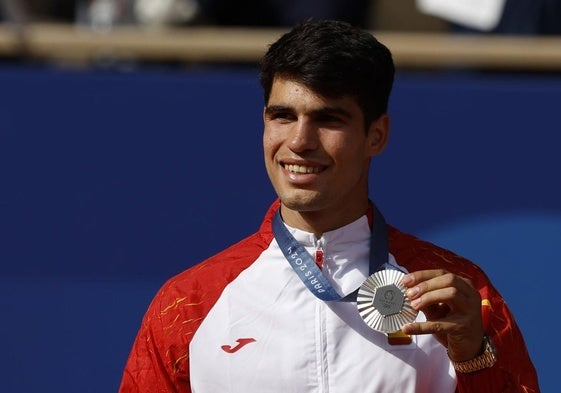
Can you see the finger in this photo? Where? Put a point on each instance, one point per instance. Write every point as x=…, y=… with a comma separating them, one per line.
x=451, y=296
x=439, y=328
x=461, y=347
x=445, y=280
x=435, y=278
x=414, y=278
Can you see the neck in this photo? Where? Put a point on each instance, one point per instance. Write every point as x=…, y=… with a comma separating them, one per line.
x=320, y=221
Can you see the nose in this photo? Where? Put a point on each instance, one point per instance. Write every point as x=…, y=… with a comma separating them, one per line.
x=303, y=136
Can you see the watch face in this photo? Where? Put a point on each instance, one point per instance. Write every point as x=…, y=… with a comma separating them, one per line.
x=382, y=303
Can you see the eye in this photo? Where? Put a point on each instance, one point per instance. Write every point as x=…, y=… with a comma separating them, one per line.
x=330, y=119
x=282, y=116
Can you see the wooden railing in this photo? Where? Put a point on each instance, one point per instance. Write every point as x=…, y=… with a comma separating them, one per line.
x=68, y=43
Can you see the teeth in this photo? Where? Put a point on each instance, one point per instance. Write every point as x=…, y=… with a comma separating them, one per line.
x=302, y=169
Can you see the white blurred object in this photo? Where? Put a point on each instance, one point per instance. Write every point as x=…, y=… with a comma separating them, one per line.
x=103, y=14
x=165, y=12
x=478, y=14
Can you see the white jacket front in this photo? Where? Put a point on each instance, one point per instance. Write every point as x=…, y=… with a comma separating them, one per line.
x=268, y=333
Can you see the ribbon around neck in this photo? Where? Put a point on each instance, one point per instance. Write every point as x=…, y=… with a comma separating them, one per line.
x=311, y=275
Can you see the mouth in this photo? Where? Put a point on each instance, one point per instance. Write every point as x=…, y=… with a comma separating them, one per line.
x=302, y=169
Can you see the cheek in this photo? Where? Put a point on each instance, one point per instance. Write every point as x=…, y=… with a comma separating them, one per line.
x=342, y=149
x=267, y=144
x=270, y=142
x=349, y=156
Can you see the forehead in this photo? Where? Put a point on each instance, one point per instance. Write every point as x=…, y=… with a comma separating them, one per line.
x=294, y=94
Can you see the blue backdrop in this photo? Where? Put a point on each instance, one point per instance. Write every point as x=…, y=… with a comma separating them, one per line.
x=111, y=182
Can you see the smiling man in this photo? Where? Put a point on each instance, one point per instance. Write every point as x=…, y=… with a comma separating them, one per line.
x=326, y=297
x=317, y=154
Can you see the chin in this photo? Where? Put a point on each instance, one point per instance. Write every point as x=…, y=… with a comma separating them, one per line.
x=303, y=202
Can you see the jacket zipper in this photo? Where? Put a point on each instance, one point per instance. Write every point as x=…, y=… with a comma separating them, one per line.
x=319, y=253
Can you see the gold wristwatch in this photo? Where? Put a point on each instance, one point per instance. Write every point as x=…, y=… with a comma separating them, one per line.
x=487, y=359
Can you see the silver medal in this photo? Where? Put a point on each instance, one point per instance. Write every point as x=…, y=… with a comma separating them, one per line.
x=382, y=303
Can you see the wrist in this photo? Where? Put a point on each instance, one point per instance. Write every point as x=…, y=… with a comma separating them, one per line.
x=486, y=357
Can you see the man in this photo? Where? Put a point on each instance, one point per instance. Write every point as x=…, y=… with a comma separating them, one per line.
x=278, y=312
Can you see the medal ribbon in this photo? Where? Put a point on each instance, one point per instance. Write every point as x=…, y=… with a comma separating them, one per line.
x=311, y=275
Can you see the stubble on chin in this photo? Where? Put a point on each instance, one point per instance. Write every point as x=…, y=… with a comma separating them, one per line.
x=302, y=201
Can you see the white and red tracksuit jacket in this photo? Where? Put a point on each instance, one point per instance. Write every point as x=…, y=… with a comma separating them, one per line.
x=243, y=322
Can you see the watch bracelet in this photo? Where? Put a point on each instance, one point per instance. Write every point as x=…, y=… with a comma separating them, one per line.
x=487, y=359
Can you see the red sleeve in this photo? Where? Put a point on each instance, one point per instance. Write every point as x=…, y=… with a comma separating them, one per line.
x=513, y=372
x=158, y=361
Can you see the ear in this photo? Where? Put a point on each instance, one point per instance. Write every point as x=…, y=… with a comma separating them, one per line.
x=378, y=135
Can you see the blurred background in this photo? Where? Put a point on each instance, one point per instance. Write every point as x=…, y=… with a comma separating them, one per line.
x=130, y=149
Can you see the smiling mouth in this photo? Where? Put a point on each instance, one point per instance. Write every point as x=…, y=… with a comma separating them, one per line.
x=303, y=169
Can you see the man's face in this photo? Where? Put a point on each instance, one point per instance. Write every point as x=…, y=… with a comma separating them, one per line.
x=317, y=150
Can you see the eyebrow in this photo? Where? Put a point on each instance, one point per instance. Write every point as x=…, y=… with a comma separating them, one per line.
x=327, y=110
x=277, y=108
x=333, y=110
